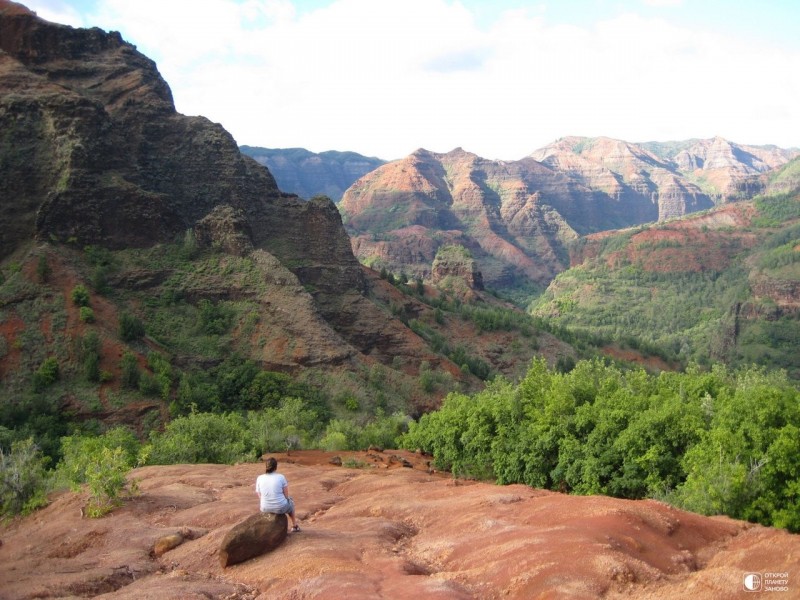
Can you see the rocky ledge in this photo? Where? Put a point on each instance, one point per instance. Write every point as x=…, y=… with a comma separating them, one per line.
x=389, y=529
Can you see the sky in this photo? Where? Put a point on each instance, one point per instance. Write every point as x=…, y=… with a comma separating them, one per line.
x=500, y=78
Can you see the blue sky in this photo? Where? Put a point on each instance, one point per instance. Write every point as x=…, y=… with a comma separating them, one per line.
x=500, y=78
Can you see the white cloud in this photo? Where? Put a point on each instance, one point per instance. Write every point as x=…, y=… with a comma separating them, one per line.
x=386, y=77
x=663, y=3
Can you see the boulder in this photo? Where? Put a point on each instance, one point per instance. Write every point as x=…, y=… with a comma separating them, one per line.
x=166, y=543
x=256, y=535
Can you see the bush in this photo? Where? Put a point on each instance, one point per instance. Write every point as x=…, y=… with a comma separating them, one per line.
x=98, y=461
x=46, y=375
x=714, y=442
x=80, y=295
x=129, y=366
x=130, y=327
x=87, y=314
x=290, y=427
x=202, y=438
x=43, y=270
x=23, y=478
x=215, y=319
x=89, y=352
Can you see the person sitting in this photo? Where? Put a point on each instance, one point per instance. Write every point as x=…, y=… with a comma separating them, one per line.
x=273, y=490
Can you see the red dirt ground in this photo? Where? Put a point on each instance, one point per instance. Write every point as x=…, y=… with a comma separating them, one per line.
x=384, y=531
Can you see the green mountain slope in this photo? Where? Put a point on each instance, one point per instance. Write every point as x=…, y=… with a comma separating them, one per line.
x=723, y=285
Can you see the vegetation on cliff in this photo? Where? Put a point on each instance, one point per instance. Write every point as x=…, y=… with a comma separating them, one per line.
x=717, y=287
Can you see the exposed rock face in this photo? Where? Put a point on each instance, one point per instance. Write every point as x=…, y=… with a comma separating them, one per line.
x=517, y=217
x=96, y=153
x=783, y=295
x=401, y=213
x=90, y=129
x=308, y=174
x=365, y=537
x=734, y=170
x=785, y=180
x=227, y=228
x=456, y=262
x=93, y=152
x=648, y=186
x=256, y=535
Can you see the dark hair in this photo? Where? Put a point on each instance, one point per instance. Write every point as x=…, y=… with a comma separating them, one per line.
x=272, y=464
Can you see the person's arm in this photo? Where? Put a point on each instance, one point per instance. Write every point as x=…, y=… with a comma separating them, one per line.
x=286, y=491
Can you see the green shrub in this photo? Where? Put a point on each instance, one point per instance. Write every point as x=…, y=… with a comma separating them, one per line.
x=215, y=318
x=334, y=442
x=89, y=352
x=81, y=452
x=106, y=479
x=80, y=295
x=130, y=374
x=203, y=438
x=130, y=327
x=87, y=314
x=46, y=375
x=43, y=270
x=23, y=478
x=717, y=442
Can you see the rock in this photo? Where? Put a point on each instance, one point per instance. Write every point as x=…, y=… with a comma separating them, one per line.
x=256, y=535
x=167, y=543
x=336, y=460
x=225, y=228
x=455, y=263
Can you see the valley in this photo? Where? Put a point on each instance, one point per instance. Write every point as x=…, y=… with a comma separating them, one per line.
x=561, y=355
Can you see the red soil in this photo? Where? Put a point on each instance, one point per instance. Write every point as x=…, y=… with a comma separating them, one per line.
x=385, y=531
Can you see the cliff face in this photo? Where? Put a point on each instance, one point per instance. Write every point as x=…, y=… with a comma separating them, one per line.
x=308, y=174
x=92, y=146
x=502, y=212
x=733, y=171
x=649, y=187
x=517, y=217
x=92, y=152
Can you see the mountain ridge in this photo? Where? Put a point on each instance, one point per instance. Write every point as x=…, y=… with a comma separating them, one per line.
x=517, y=217
x=310, y=174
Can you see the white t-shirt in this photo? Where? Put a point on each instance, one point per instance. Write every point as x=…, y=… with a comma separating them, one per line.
x=269, y=487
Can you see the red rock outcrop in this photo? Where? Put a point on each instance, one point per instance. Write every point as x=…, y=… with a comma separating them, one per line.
x=503, y=212
x=734, y=170
x=649, y=186
x=384, y=531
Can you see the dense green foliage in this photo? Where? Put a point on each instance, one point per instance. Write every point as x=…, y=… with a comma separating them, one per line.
x=715, y=441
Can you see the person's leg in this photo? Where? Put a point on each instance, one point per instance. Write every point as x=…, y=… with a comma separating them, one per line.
x=292, y=515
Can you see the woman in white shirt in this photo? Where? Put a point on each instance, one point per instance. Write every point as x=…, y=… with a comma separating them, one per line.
x=273, y=489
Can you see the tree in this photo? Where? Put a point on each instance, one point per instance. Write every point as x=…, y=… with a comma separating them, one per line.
x=23, y=478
